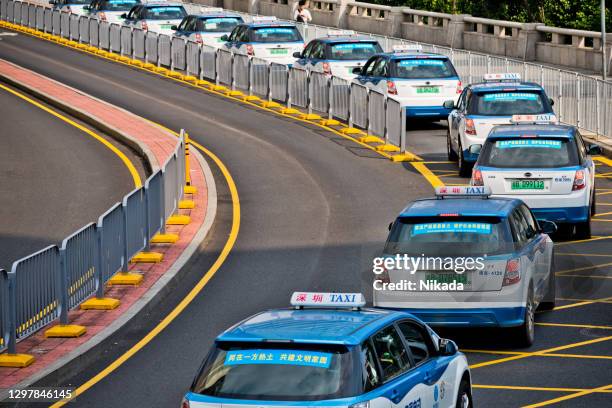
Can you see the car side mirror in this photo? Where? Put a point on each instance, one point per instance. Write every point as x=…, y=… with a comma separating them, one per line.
x=124, y=15
x=548, y=227
x=297, y=54
x=224, y=37
x=357, y=70
x=552, y=101
x=594, y=149
x=174, y=28
x=447, y=347
x=449, y=104
x=475, y=148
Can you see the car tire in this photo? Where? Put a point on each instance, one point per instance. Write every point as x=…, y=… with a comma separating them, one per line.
x=548, y=302
x=524, y=334
x=583, y=229
x=464, y=168
x=593, y=202
x=451, y=154
x=464, y=395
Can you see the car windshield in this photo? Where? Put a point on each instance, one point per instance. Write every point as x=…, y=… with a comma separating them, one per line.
x=529, y=153
x=449, y=236
x=267, y=371
x=422, y=68
x=118, y=5
x=508, y=103
x=219, y=24
x=353, y=50
x=275, y=34
x=165, y=13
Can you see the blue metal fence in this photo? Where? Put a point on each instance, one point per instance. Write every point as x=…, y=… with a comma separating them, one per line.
x=111, y=229
x=79, y=254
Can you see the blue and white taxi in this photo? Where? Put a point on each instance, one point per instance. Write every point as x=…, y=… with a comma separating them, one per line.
x=208, y=27
x=421, y=81
x=71, y=6
x=110, y=11
x=266, y=38
x=468, y=260
x=157, y=17
x=338, y=54
x=328, y=350
x=484, y=105
x=548, y=166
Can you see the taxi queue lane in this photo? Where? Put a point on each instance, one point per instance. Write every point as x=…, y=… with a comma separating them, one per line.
x=569, y=357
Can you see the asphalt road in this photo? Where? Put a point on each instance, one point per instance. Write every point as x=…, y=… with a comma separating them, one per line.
x=315, y=209
x=54, y=178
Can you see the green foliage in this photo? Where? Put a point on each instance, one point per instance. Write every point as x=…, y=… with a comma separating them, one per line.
x=578, y=14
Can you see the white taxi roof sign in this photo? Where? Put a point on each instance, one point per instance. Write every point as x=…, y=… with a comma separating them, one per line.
x=506, y=76
x=320, y=299
x=211, y=9
x=340, y=33
x=407, y=48
x=534, y=119
x=463, y=191
x=259, y=19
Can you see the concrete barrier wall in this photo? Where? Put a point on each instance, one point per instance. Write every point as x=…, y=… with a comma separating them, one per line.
x=529, y=41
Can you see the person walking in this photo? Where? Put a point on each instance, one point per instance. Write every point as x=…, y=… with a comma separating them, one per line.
x=302, y=14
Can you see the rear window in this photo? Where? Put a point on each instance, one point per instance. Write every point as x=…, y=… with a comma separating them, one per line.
x=165, y=13
x=422, y=68
x=268, y=371
x=67, y=2
x=119, y=5
x=529, y=152
x=275, y=34
x=449, y=236
x=507, y=103
x=353, y=50
x=219, y=24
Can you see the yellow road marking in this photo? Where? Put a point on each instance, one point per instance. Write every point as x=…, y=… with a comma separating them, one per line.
x=192, y=293
x=604, y=193
x=429, y=176
x=522, y=388
x=606, y=213
x=600, y=220
x=567, y=397
x=126, y=161
x=583, y=240
x=583, y=268
x=603, y=160
x=586, y=302
x=581, y=254
x=586, y=276
x=526, y=354
x=437, y=162
x=538, y=353
x=581, y=300
x=580, y=326
x=607, y=204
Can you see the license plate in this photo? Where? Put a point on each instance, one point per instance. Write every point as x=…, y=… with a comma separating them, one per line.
x=279, y=51
x=449, y=278
x=219, y=39
x=428, y=90
x=527, y=185
x=165, y=26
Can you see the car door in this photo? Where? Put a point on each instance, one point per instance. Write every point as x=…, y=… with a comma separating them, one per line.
x=455, y=118
x=317, y=55
x=402, y=385
x=365, y=77
x=526, y=249
x=542, y=255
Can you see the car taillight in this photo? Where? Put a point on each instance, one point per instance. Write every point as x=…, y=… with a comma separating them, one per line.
x=477, y=178
x=144, y=25
x=391, y=88
x=326, y=69
x=513, y=272
x=102, y=16
x=185, y=404
x=470, y=129
x=198, y=38
x=578, y=180
x=459, y=87
x=250, y=50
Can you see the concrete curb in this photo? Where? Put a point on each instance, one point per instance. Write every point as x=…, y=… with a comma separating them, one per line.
x=140, y=148
x=91, y=350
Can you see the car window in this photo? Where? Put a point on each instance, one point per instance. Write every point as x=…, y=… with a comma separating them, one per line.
x=243, y=36
x=183, y=25
x=519, y=226
x=318, y=51
x=217, y=24
x=308, y=49
x=116, y=5
x=391, y=353
x=509, y=102
x=275, y=34
x=528, y=216
x=416, y=341
x=369, y=66
x=133, y=13
x=529, y=152
x=347, y=51
x=581, y=147
x=421, y=68
x=371, y=377
x=462, y=99
x=234, y=33
x=165, y=13
x=380, y=69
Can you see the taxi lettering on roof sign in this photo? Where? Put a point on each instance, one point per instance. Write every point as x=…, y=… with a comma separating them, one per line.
x=543, y=118
x=437, y=227
x=259, y=19
x=509, y=76
x=420, y=62
x=327, y=299
x=463, y=191
x=407, y=48
x=280, y=357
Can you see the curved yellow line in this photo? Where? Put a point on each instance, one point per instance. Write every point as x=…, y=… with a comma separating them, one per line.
x=106, y=143
x=192, y=293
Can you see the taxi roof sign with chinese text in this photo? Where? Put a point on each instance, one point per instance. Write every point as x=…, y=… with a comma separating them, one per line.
x=260, y=19
x=534, y=119
x=340, y=33
x=398, y=49
x=318, y=299
x=211, y=9
x=507, y=76
x=463, y=191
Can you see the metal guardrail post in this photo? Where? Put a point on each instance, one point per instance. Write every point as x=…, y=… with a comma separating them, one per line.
x=578, y=110
x=488, y=64
x=63, y=287
x=542, y=75
x=217, y=67
x=269, y=90
x=200, y=67
x=126, y=256
x=12, y=313
x=99, y=276
x=158, y=52
x=231, y=70
x=289, y=93
x=560, y=96
x=598, y=110
x=469, y=67
x=350, y=111
x=308, y=93
x=147, y=247
x=250, y=76
x=330, y=106
x=403, y=129
x=132, y=39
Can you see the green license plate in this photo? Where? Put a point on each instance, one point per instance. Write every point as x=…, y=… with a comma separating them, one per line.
x=527, y=185
x=449, y=278
x=220, y=40
x=428, y=90
x=166, y=26
x=279, y=51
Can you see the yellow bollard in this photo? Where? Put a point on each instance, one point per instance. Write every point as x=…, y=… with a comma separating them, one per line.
x=189, y=189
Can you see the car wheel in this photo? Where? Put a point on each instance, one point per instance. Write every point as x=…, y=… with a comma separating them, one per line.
x=452, y=156
x=593, y=205
x=583, y=229
x=464, y=168
x=464, y=396
x=548, y=303
x=525, y=333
